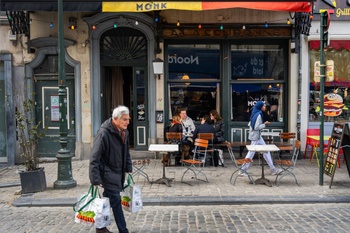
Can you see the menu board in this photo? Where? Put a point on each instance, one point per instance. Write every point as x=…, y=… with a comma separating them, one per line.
x=336, y=142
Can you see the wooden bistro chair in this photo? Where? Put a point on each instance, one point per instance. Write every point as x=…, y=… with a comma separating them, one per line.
x=210, y=149
x=288, y=165
x=238, y=163
x=173, y=138
x=287, y=142
x=195, y=164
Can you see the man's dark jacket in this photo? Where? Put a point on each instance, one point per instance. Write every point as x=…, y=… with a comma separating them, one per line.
x=110, y=158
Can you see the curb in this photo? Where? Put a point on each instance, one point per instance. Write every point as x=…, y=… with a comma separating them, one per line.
x=28, y=201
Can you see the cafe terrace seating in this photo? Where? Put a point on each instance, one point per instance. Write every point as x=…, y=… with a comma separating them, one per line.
x=288, y=165
x=309, y=142
x=210, y=149
x=195, y=165
x=174, y=138
x=287, y=142
x=238, y=163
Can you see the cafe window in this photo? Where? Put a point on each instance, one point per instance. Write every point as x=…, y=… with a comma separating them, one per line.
x=258, y=74
x=336, y=98
x=257, y=62
x=244, y=96
x=194, y=73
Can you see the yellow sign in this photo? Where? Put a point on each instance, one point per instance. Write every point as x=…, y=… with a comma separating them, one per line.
x=149, y=6
x=329, y=71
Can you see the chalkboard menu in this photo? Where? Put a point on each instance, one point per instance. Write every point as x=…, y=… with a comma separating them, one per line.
x=333, y=150
x=339, y=139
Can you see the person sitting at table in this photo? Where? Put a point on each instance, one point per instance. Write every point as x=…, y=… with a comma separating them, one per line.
x=188, y=126
x=219, y=126
x=176, y=127
x=256, y=124
x=204, y=127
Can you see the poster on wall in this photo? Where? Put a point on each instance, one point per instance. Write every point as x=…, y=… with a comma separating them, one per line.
x=55, y=113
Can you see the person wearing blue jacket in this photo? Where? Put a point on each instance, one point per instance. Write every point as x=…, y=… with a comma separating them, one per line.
x=110, y=161
x=256, y=124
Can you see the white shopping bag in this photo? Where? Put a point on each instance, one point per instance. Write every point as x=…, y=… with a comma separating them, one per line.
x=131, y=197
x=92, y=209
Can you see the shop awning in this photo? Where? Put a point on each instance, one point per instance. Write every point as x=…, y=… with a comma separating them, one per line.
x=50, y=5
x=143, y=6
x=202, y=6
x=335, y=44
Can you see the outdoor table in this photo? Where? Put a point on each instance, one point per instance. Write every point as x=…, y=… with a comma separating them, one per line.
x=262, y=149
x=165, y=148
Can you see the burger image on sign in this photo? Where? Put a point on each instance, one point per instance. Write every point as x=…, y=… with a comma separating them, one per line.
x=333, y=105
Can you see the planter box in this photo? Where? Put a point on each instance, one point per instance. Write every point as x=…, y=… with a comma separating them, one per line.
x=33, y=181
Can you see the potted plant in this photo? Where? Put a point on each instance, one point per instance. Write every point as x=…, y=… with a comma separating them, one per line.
x=33, y=177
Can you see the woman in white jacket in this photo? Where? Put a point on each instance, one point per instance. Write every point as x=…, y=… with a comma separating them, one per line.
x=256, y=124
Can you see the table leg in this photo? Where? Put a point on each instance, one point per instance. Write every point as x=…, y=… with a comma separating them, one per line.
x=163, y=180
x=138, y=168
x=263, y=180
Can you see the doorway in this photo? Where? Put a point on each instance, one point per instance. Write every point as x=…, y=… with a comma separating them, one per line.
x=47, y=106
x=116, y=85
x=125, y=85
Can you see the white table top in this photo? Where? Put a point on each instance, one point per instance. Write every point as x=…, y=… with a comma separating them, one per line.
x=270, y=134
x=163, y=147
x=262, y=148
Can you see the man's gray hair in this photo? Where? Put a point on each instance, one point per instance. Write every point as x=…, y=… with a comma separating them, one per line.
x=119, y=111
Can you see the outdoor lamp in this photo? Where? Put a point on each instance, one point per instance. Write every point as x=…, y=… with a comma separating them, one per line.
x=158, y=66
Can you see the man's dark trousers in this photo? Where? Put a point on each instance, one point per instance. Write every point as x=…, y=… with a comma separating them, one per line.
x=115, y=201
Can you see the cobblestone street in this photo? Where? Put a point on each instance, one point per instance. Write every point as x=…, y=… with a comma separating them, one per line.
x=237, y=218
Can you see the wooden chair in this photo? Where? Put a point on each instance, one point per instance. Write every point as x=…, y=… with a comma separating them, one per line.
x=210, y=150
x=238, y=163
x=196, y=163
x=172, y=138
x=288, y=165
x=287, y=141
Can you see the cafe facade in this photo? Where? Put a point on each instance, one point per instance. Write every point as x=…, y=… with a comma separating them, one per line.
x=223, y=57
x=337, y=55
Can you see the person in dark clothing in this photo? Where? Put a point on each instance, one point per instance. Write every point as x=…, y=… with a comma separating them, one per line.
x=176, y=125
x=110, y=160
x=219, y=126
x=204, y=127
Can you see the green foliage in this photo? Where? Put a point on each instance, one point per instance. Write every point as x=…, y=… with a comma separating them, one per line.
x=28, y=134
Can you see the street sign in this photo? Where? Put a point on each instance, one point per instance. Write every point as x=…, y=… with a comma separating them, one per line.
x=329, y=71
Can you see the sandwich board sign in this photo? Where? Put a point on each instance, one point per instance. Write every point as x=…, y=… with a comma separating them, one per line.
x=340, y=139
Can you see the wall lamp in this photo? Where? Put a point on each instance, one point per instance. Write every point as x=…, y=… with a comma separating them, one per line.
x=158, y=66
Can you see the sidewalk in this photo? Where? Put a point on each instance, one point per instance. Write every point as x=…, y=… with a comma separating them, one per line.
x=218, y=191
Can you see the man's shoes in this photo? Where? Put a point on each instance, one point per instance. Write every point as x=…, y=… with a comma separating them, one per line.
x=277, y=171
x=103, y=230
x=242, y=173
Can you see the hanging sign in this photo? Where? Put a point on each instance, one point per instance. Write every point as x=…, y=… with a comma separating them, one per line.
x=329, y=71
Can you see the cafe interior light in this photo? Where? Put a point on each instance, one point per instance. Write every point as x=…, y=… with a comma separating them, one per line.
x=158, y=67
x=72, y=23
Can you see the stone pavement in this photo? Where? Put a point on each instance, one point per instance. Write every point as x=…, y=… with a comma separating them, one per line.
x=218, y=191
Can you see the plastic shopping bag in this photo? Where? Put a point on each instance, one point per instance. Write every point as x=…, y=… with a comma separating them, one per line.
x=131, y=197
x=92, y=209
